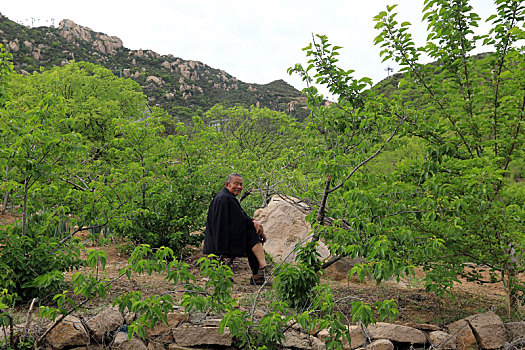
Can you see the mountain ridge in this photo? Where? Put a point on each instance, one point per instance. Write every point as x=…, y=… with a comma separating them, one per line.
x=184, y=88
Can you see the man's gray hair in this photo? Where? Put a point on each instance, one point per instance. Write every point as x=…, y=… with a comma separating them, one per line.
x=230, y=177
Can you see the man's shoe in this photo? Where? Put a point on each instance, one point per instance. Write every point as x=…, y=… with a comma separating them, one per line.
x=265, y=271
x=259, y=281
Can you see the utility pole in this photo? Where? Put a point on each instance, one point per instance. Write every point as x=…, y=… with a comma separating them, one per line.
x=389, y=69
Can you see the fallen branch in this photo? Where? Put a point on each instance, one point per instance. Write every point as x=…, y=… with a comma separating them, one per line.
x=29, y=317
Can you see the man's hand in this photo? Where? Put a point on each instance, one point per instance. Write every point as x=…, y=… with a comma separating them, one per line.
x=258, y=227
x=259, y=230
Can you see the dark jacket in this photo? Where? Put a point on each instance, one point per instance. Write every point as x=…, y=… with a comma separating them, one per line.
x=226, y=226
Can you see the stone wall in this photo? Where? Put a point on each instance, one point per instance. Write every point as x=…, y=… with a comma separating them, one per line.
x=108, y=330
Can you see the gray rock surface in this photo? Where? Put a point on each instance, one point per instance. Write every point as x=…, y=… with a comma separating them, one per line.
x=104, y=322
x=397, y=333
x=380, y=344
x=442, y=340
x=489, y=330
x=515, y=330
x=197, y=336
x=68, y=333
x=122, y=342
x=462, y=335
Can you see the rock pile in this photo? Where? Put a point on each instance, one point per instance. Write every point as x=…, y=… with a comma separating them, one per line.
x=108, y=330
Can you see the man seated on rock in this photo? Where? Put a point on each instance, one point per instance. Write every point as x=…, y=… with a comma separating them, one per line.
x=231, y=233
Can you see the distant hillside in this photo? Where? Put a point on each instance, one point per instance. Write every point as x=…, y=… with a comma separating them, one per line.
x=390, y=86
x=182, y=87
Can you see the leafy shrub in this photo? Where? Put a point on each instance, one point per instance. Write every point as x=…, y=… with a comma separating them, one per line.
x=294, y=283
x=173, y=211
x=31, y=265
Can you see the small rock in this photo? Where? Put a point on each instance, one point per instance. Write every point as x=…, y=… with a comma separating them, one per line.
x=397, y=333
x=196, y=336
x=155, y=346
x=441, y=340
x=68, y=333
x=174, y=320
x=515, y=330
x=357, y=337
x=380, y=344
x=296, y=340
x=212, y=322
x=196, y=318
x=122, y=342
x=423, y=327
x=129, y=317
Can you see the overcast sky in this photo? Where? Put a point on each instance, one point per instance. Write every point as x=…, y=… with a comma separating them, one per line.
x=255, y=41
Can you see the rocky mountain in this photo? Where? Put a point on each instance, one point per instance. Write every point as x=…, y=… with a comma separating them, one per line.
x=182, y=87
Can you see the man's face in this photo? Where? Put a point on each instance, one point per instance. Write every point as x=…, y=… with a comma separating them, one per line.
x=235, y=186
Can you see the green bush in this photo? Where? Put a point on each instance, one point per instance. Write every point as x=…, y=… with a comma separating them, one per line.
x=32, y=265
x=294, y=283
x=173, y=211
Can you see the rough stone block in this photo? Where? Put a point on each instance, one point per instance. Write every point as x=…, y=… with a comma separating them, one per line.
x=356, y=336
x=196, y=336
x=68, y=333
x=462, y=335
x=380, y=344
x=515, y=330
x=489, y=330
x=442, y=340
x=104, y=322
x=396, y=333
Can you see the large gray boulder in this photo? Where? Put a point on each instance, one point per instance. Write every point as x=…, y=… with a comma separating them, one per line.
x=285, y=225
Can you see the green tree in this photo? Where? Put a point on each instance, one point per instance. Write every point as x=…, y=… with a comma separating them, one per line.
x=35, y=153
x=455, y=210
x=255, y=142
x=93, y=99
x=165, y=194
x=470, y=116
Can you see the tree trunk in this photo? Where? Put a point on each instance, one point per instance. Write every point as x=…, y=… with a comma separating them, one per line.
x=322, y=207
x=4, y=203
x=6, y=196
x=24, y=207
x=510, y=283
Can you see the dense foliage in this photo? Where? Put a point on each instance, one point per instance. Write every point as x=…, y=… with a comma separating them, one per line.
x=427, y=174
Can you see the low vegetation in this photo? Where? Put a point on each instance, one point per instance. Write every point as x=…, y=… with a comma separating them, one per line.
x=431, y=182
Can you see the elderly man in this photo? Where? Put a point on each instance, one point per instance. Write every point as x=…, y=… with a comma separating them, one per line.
x=231, y=233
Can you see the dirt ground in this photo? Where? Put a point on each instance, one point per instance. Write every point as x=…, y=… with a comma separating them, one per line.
x=416, y=306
